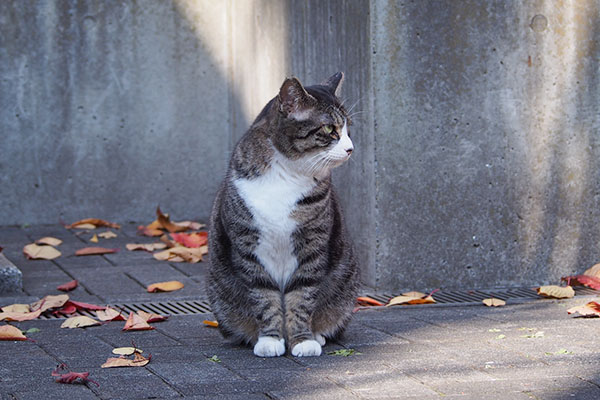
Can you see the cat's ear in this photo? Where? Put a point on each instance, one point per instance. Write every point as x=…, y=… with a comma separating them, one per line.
x=294, y=101
x=334, y=83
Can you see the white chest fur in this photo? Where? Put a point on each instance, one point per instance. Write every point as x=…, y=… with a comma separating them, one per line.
x=271, y=198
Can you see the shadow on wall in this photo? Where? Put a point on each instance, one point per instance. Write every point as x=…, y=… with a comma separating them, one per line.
x=109, y=109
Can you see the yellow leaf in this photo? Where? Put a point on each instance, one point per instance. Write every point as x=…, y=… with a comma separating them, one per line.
x=412, y=299
x=107, y=235
x=138, y=361
x=85, y=226
x=92, y=223
x=49, y=301
x=20, y=308
x=492, y=302
x=36, y=252
x=109, y=314
x=9, y=332
x=591, y=309
x=136, y=323
x=79, y=322
x=214, y=324
x=593, y=271
x=146, y=247
x=126, y=351
x=50, y=241
x=169, y=286
x=18, y=316
x=94, y=239
x=556, y=292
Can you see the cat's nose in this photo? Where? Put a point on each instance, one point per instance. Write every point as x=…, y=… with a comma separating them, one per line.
x=349, y=151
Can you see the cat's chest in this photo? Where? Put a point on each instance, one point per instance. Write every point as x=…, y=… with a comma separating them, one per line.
x=272, y=198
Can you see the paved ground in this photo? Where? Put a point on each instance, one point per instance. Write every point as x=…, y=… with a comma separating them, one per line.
x=470, y=352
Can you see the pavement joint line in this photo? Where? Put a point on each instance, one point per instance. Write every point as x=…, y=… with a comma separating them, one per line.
x=169, y=384
x=133, y=278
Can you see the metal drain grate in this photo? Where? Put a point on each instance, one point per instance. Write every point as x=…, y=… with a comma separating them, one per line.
x=175, y=307
x=449, y=297
x=464, y=297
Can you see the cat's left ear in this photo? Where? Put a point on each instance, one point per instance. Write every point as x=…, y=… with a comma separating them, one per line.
x=334, y=83
x=294, y=100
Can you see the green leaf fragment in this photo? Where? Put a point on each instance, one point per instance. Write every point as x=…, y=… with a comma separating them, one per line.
x=30, y=330
x=214, y=359
x=494, y=330
x=344, y=352
x=500, y=336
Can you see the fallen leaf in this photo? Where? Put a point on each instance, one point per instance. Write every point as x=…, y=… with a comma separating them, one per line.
x=79, y=322
x=138, y=361
x=151, y=317
x=18, y=316
x=65, y=287
x=214, y=359
x=87, y=227
x=136, y=323
x=191, y=240
x=145, y=231
x=50, y=301
x=50, y=241
x=20, y=308
x=9, y=332
x=94, y=251
x=343, y=352
x=411, y=298
x=31, y=330
x=191, y=225
x=559, y=352
x=37, y=252
x=583, y=280
x=213, y=324
x=494, y=330
x=556, y=292
x=84, y=306
x=65, y=310
x=492, y=302
x=367, y=301
x=536, y=335
x=107, y=235
x=109, y=314
x=150, y=247
x=181, y=254
x=593, y=271
x=93, y=221
x=168, y=286
x=126, y=351
x=166, y=223
x=501, y=336
x=70, y=377
x=591, y=309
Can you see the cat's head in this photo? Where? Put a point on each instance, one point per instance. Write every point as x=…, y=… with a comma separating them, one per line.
x=313, y=125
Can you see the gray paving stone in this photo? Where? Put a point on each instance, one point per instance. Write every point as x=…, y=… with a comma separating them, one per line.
x=107, y=281
x=53, y=390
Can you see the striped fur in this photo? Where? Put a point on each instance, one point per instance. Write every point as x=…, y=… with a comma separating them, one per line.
x=282, y=269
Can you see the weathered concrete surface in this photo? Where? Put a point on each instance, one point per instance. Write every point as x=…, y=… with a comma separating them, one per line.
x=487, y=141
x=11, y=278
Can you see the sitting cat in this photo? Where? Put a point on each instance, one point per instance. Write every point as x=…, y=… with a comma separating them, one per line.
x=282, y=268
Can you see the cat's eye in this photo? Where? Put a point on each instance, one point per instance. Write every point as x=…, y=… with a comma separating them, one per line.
x=328, y=129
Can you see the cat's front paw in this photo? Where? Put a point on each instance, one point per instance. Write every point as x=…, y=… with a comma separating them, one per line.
x=268, y=346
x=320, y=338
x=307, y=348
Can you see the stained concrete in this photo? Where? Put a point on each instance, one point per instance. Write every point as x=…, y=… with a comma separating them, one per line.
x=476, y=159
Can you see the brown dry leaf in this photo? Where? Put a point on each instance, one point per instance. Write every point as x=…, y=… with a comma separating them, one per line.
x=591, y=309
x=9, y=332
x=151, y=317
x=137, y=361
x=150, y=247
x=411, y=298
x=593, y=271
x=49, y=301
x=126, y=351
x=109, y=314
x=136, y=323
x=85, y=226
x=50, y=241
x=166, y=223
x=19, y=308
x=492, y=302
x=79, y=322
x=145, y=231
x=168, y=286
x=19, y=316
x=213, y=324
x=94, y=239
x=107, y=235
x=556, y=292
x=37, y=252
x=94, y=251
x=65, y=287
x=181, y=254
x=94, y=222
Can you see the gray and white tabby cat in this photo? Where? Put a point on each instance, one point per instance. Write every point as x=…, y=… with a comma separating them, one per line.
x=282, y=268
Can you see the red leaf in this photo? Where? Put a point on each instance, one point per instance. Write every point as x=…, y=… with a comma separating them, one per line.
x=367, y=301
x=583, y=280
x=94, y=251
x=191, y=240
x=70, y=377
x=84, y=306
x=66, y=309
x=65, y=287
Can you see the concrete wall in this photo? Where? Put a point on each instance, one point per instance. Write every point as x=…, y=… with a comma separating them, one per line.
x=476, y=128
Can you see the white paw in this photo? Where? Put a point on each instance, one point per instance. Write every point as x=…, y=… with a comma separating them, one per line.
x=307, y=348
x=320, y=338
x=268, y=346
